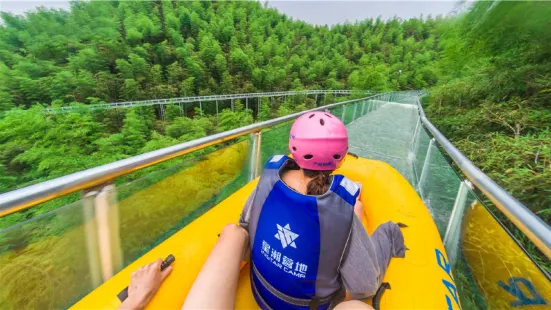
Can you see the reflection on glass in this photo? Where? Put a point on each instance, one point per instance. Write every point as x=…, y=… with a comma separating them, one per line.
x=48, y=262
x=439, y=188
x=504, y=273
x=157, y=205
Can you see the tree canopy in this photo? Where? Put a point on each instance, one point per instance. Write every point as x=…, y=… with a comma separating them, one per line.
x=116, y=51
x=108, y=51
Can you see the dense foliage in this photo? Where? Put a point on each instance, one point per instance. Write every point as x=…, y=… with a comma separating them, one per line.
x=493, y=97
x=113, y=51
x=106, y=51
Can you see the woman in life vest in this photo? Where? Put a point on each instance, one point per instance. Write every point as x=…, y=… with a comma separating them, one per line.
x=308, y=245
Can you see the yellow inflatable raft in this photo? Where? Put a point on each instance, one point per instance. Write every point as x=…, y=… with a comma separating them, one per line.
x=505, y=274
x=421, y=280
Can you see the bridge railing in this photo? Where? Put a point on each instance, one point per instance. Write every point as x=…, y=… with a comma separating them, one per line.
x=525, y=220
x=212, y=98
x=489, y=236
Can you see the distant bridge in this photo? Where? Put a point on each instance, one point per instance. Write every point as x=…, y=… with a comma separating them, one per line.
x=210, y=98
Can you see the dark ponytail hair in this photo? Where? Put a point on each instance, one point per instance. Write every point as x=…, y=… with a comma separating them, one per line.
x=321, y=180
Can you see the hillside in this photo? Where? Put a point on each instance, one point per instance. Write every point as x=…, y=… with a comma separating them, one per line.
x=115, y=51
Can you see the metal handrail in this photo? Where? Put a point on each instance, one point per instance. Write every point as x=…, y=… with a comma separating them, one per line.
x=33, y=195
x=529, y=223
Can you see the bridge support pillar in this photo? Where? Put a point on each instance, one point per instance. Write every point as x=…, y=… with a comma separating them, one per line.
x=162, y=111
x=258, y=105
x=216, y=108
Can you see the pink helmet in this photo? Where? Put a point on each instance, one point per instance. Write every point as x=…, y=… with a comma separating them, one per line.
x=318, y=141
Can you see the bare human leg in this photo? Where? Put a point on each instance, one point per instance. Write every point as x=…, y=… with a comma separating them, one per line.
x=220, y=272
x=353, y=304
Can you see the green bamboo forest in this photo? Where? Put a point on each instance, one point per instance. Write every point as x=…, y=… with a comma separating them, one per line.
x=487, y=70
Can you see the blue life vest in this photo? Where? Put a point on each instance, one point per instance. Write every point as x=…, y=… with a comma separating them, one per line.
x=298, y=241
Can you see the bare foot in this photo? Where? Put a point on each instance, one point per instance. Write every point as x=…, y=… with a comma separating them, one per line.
x=144, y=283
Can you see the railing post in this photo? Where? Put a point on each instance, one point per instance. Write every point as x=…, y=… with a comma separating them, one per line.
x=414, y=155
x=363, y=108
x=415, y=131
x=107, y=221
x=343, y=112
x=452, y=236
x=91, y=234
x=255, y=161
x=425, y=168
x=354, y=114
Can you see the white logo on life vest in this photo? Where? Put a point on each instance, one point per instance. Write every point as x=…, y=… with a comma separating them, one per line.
x=283, y=262
x=286, y=236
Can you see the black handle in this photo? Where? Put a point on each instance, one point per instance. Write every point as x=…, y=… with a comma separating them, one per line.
x=379, y=295
x=169, y=260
